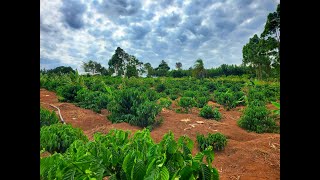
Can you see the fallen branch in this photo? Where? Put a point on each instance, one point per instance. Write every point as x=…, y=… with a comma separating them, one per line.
x=58, y=111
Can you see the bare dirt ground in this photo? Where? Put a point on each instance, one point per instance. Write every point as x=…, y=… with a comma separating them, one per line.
x=248, y=155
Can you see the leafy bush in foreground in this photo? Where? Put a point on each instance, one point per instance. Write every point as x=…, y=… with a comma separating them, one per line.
x=119, y=157
x=257, y=119
x=58, y=137
x=218, y=141
x=47, y=118
x=209, y=113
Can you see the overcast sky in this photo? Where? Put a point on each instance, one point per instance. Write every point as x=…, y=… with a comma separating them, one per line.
x=73, y=31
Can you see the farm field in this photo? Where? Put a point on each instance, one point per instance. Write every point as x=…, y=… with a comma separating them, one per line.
x=88, y=102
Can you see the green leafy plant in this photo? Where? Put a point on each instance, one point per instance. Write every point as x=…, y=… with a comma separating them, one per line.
x=118, y=155
x=277, y=105
x=209, y=113
x=201, y=101
x=164, y=102
x=187, y=103
x=217, y=140
x=58, y=137
x=160, y=87
x=133, y=106
x=94, y=100
x=68, y=92
x=47, y=118
x=257, y=119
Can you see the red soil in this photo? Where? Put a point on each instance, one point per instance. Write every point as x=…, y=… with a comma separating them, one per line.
x=248, y=155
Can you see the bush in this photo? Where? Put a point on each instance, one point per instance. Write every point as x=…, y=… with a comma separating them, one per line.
x=227, y=99
x=218, y=141
x=146, y=114
x=187, y=103
x=93, y=100
x=173, y=96
x=47, y=118
x=58, y=137
x=120, y=155
x=68, y=92
x=164, y=102
x=132, y=106
x=201, y=101
x=160, y=88
x=257, y=119
x=209, y=113
x=191, y=94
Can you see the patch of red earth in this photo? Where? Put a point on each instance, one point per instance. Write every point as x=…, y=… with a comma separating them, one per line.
x=248, y=155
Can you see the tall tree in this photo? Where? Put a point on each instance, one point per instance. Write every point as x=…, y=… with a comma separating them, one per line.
x=178, y=65
x=162, y=69
x=61, y=70
x=198, y=70
x=272, y=34
x=121, y=62
x=93, y=67
x=149, y=69
x=255, y=54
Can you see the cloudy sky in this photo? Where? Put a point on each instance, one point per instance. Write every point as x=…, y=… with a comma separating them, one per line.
x=73, y=31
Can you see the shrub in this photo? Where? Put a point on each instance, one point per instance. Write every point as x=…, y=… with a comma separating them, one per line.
x=173, y=96
x=47, y=118
x=121, y=156
x=58, y=137
x=164, y=102
x=160, y=87
x=133, y=106
x=146, y=114
x=209, y=113
x=93, y=100
x=152, y=95
x=201, y=101
x=217, y=140
x=191, y=94
x=187, y=103
x=257, y=119
x=68, y=92
x=227, y=99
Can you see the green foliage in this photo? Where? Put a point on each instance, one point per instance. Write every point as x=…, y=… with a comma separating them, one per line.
x=173, y=96
x=58, y=137
x=93, y=100
x=68, y=92
x=201, y=101
x=133, y=106
x=47, y=118
x=160, y=88
x=209, y=113
x=227, y=99
x=164, y=102
x=217, y=140
x=187, y=103
x=121, y=156
x=277, y=105
x=257, y=119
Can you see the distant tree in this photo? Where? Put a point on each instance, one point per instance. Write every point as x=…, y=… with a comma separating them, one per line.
x=123, y=64
x=178, y=65
x=198, y=70
x=94, y=67
x=61, y=70
x=162, y=69
x=149, y=69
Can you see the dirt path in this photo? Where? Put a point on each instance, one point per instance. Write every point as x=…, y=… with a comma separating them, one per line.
x=246, y=156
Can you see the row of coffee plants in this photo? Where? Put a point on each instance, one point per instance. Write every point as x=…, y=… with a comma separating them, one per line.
x=121, y=155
